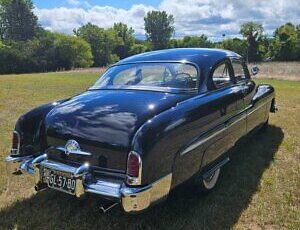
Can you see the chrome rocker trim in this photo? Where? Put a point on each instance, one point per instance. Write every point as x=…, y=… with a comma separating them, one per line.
x=132, y=199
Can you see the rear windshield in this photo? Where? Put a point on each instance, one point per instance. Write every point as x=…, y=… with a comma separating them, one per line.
x=157, y=76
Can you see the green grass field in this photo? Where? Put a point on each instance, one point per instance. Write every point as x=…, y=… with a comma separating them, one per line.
x=259, y=188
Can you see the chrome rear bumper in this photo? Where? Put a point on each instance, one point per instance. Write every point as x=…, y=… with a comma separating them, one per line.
x=132, y=199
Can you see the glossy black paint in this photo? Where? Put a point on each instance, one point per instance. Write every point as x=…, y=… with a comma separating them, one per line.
x=104, y=121
x=31, y=128
x=160, y=126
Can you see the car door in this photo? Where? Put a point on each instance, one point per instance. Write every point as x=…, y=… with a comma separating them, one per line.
x=206, y=132
x=206, y=120
x=237, y=123
x=230, y=104
x=255, y=111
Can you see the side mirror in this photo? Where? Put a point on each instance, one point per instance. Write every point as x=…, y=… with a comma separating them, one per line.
x=254, y=70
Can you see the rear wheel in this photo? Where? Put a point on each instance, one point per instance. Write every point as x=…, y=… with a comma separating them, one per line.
x=208, y=182
x=211, y=181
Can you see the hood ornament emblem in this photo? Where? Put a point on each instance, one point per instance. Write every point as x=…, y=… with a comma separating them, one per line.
x=71, y=147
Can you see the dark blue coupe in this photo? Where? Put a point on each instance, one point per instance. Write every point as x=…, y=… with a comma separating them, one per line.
x=150, y=123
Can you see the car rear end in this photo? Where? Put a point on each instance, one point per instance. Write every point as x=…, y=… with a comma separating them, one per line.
x=79, y=175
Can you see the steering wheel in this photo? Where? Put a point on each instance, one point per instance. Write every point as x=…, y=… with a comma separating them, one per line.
x=187, y=79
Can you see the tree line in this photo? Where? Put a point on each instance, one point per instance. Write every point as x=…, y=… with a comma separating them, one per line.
x=26, y=47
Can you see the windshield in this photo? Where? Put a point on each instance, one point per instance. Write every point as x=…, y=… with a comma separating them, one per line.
x=152, y=76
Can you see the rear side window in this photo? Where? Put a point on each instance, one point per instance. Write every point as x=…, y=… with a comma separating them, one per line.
x=239, y=71
x=221, y=76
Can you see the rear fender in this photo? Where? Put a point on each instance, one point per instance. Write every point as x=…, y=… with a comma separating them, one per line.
x=30, y=127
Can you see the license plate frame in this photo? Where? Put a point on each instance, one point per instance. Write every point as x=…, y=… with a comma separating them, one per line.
x=59, y=180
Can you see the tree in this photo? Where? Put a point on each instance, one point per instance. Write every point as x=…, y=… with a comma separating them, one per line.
x=72, y=52
x=286, y=43
x=18, y=22
x=137, y=49
x=126, y=36
x=102, y=42
x=236, y=45
x=196, y=41
x=159, y=28
x=49, y=52
x=252, y=32
x=175, y=43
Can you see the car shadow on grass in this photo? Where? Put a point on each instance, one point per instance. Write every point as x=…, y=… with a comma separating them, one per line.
x=185, y=208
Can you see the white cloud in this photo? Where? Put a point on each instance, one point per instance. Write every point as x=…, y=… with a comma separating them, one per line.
x=78, y=3
x=193, y=17
x=74, y=2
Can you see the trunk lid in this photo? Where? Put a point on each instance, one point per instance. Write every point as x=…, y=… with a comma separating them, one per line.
x=104, y=122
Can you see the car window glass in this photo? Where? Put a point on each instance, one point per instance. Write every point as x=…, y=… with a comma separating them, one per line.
x=146, y=75
x=155, y=73
x=239, y=71
x=221, y=76
x=125, y=76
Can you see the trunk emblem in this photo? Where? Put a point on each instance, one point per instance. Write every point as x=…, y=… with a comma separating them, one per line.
x=71, y=146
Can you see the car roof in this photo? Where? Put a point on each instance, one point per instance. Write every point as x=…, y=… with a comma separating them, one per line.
x=200, y=56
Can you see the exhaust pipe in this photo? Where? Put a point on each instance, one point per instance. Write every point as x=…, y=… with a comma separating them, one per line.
x=40, y=186
x=105, y=207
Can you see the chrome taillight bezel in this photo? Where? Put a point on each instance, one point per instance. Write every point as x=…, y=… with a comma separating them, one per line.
x=131, y=180
x=16, y=151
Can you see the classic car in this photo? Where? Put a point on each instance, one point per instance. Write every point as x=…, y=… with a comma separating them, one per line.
x=151, y=122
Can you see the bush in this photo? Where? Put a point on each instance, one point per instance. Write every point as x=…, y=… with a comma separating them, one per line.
x=137, y=49
x=49, y=52
x=72, y=52
x=236, y=45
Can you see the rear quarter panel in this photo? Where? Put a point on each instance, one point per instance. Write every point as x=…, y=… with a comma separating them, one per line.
x=161, y=139
x=259, y=107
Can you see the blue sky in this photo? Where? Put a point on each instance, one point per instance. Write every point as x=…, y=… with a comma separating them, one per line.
x=125, y=4
x=192, y=17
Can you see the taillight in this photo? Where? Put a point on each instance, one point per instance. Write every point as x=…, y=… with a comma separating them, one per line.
x=15, y=143
x=134, y=168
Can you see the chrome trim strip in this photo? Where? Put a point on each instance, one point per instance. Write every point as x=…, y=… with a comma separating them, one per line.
x=244, y=116
x=255, y=109
x=201, y=141
x=77, y=152
x=227, y=125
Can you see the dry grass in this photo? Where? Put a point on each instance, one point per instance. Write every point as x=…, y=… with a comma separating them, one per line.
x=267, y=70
x=259, y=188
x=279, y=70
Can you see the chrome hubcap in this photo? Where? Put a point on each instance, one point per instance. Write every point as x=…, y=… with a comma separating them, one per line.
x=211, y=181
